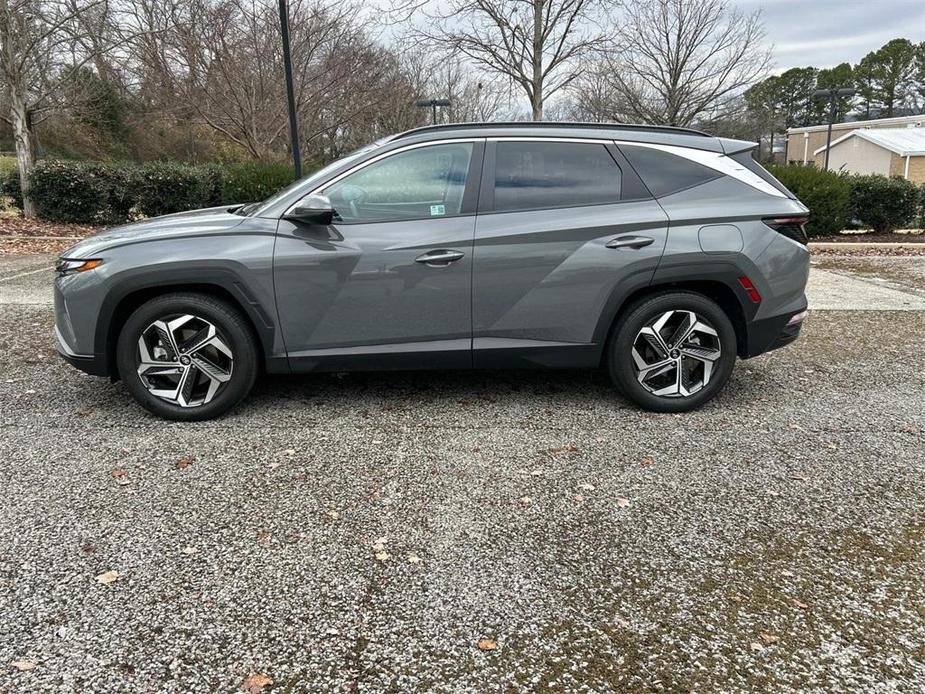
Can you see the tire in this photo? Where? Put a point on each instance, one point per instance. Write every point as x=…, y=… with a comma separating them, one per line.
x=198, y=335
x=646, y=352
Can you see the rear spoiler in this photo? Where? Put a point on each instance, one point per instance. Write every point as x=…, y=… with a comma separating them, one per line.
x=731, y=146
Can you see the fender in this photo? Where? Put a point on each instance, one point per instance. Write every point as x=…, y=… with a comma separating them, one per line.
x=225, y=275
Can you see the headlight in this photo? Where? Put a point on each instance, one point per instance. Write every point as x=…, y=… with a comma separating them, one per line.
x=64, y=266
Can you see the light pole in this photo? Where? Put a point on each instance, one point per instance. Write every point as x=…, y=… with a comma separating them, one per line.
x=832, y=95
x=432, y=104
x=290, y=95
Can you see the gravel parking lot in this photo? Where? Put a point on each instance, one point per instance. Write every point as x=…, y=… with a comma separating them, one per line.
x=364, y=532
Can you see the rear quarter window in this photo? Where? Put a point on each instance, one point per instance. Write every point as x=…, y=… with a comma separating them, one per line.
x=665, y=173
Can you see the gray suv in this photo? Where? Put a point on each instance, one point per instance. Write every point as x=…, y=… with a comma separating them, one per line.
x=660, y=254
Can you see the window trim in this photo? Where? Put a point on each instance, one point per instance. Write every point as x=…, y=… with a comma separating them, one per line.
x=486, y=201
x=470, y=193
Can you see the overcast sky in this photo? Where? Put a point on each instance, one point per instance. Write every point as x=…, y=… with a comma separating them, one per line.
x=824, y=33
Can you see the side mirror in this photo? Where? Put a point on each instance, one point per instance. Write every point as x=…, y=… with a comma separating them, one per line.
x=312, y=209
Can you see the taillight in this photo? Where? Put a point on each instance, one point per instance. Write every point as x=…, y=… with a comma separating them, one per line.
x=791, y=227
x=750, y=289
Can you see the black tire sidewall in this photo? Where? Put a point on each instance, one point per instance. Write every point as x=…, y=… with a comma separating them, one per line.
x=620, y=360
x=228, y=322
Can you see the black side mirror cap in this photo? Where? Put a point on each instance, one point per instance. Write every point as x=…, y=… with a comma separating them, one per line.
x=312, y=209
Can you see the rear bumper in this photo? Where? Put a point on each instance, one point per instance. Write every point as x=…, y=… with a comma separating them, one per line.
x=772, y=333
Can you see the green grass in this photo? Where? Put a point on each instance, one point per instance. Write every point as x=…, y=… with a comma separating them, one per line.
x=7, y=163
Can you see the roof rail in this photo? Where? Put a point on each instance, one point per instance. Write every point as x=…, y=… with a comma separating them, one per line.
x=553, y=125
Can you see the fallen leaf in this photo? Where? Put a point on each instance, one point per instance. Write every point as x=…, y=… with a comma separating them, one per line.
x=414, y=559
x=787, y=573
x=108, y=577
x=735, y=598
x=622, y=623
x=183, y=463
x=263, y=537
x=645, y=462
x=256, y=682
x=587, y=487
x=383, y=556
x=332, y=514
x=772, y=492
x=23, y=665
x=189, y=550
x=769, y=638
x=487, y=644
x=909, y=429
x=755, y=646
x=84, y=411
x=579, y=497
x=117, y=472
x=622, y=502
x=274, y=465
x=88, y=548
x=526, y=500
x=801, y=605
x=287, y=451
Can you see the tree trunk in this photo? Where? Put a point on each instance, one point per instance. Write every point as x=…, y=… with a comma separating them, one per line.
x=536, y=99
x=25, y=154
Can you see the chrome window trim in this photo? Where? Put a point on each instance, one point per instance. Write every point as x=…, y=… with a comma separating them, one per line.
x=718, y=161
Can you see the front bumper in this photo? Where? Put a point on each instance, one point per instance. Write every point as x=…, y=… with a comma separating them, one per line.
x=92, y=364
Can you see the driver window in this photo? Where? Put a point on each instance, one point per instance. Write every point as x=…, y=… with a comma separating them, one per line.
x=414, y=184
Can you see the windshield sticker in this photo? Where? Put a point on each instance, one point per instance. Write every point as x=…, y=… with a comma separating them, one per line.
x=437, y=210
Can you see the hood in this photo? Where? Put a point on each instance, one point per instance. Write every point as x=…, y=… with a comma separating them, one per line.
x=181, y=224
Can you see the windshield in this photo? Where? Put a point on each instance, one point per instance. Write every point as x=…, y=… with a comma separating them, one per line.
x=255, y=208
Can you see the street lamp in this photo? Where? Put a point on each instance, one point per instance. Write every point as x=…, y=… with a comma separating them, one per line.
x=433, y=104
x=832, y=95
x=290, y=95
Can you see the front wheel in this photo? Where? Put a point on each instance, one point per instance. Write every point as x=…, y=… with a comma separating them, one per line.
x=187, y=356
x=672, y=352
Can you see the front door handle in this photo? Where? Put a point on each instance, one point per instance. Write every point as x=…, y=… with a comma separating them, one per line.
x=630, y=242
x=440, y=258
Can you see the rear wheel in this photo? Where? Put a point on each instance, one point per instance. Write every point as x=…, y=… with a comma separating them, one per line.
x=672, y=352
x=187, y=356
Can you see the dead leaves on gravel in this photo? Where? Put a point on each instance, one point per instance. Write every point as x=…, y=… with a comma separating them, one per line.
x=23, y=665
x=183, y=463
x=256, y=682
x=487, y=644
x=108, y=577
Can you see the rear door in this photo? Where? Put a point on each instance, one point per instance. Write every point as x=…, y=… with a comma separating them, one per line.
x=389, y=283
x=565, y=229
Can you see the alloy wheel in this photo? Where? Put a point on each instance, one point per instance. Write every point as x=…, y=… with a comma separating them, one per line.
x=674, y=354
x=184, y=360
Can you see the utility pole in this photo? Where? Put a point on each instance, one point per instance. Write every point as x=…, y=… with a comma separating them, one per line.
x=432, y=104
x=290, y=93
x=832, y=95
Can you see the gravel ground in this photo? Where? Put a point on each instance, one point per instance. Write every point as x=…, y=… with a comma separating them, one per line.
x=773, y=541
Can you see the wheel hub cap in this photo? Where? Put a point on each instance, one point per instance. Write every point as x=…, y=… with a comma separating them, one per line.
x=184, y=360
x=674, y=354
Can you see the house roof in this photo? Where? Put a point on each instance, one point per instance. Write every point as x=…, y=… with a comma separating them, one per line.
x=906, y=142
x=898, y=121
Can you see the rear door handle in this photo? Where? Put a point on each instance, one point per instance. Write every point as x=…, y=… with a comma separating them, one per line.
x=440, y=258
x=629, y=242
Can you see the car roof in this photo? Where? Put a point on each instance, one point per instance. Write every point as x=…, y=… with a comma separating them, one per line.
x=655, y=134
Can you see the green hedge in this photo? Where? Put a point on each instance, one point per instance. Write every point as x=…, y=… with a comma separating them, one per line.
x=883, y=204
x=99, y=193
x=826, y=194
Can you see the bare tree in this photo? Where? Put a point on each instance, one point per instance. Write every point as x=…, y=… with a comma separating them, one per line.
x=538, y=45
x=678, y=61
x=44, y=45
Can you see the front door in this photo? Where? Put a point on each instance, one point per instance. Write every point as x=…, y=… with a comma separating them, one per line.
x=388, y=284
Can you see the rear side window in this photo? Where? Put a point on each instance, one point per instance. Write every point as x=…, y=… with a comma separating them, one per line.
x=665, y=173
x=535, y=175
x=748, y=161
